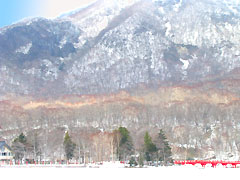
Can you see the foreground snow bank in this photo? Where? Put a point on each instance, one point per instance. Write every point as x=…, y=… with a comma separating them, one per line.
x=174, y=172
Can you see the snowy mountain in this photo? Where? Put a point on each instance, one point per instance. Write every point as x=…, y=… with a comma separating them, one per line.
x=110, y=46
x=172, y=64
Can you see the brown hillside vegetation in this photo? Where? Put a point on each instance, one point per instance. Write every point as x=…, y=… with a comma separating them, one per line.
x=189, y=115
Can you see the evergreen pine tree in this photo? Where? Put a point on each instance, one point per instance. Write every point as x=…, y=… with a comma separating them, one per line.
x=164, y=150
x=124, y=143
x=69, y=146
x=141, y=160
x=19, y=146
x=22, y=138
x=149, y=147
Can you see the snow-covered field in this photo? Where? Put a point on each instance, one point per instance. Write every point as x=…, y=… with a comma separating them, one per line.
x=110, y=171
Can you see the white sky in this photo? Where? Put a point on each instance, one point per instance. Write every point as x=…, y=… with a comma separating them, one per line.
x=54, y=8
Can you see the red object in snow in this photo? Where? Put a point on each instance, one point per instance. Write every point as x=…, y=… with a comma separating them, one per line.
x=205, y=162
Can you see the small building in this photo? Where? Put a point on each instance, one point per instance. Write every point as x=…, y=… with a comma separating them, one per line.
x=5, y=151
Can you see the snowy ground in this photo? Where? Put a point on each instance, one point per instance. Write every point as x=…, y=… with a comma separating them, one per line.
x=111, y=171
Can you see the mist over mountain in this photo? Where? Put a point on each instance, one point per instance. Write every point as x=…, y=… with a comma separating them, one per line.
x=142, y=64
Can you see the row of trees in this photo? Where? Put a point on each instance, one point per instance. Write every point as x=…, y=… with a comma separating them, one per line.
x=116, y=145
x=123, y=148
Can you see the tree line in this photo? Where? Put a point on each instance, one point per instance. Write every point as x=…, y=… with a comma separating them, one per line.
x=117, y=145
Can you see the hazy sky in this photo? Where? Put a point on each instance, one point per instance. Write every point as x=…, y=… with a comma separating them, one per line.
x=15, y=10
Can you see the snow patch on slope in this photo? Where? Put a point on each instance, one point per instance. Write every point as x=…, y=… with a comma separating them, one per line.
x=62, y=42
x=169, y=27
x=24, y=49
x=233, y=5
x=185, y=64
x=177, y=6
